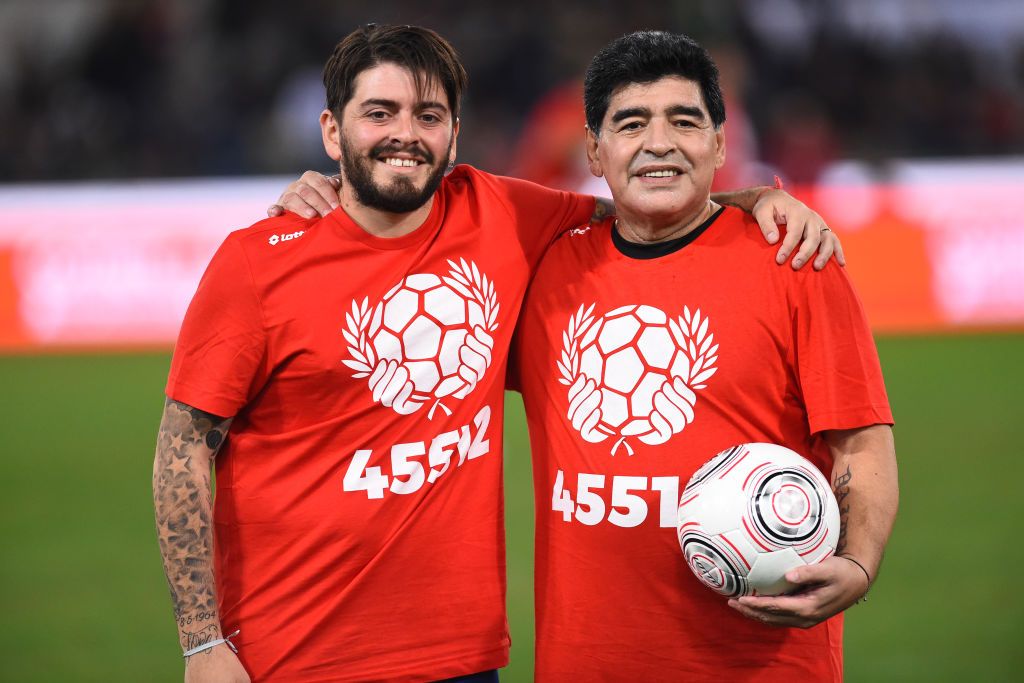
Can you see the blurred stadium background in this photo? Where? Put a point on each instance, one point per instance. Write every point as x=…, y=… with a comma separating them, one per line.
x=137, y=134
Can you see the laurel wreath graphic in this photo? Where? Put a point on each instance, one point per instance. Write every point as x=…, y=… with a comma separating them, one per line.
x=356, y=321
x=363, y=322
x=569, y=363
x=673, y=402
x=466, y=279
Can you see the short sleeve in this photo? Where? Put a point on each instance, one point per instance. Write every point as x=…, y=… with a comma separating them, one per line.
x=837, y=363
x=542, y=214
x=222, y=343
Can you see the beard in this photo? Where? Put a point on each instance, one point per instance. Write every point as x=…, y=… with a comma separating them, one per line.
x=400, y=195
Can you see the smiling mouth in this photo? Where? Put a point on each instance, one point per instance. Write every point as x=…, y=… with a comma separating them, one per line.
x=400, y=163
x=668, y=173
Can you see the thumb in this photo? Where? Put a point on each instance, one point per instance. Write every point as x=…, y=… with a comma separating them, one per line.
x=808, y=574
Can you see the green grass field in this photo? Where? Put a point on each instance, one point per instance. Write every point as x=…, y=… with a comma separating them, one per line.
x=84, y=598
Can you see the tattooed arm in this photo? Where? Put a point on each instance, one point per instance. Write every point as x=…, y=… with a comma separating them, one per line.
x=864, y=479
x=865, y=483
x=186, y=445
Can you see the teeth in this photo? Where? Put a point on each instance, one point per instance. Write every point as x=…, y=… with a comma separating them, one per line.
x=401, y=162
x=660, y=174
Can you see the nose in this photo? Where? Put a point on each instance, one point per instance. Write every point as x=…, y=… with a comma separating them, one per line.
x=403, y=129
x=657, y=140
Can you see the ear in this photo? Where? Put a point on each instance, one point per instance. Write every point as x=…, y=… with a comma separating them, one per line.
x=720, y=145
x=330, y=130
x=455, y=141
x=593, y=160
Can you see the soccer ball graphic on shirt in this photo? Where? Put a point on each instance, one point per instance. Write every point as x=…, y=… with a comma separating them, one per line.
x=428, y=340
x=751, y=514
x=633, y=373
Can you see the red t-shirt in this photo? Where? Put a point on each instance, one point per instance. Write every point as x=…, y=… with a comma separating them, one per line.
x=756, y=352
x=359, y=511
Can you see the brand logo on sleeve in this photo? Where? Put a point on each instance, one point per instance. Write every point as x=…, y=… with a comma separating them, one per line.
x=429, y=339
x=635, y=373
x=274, y=239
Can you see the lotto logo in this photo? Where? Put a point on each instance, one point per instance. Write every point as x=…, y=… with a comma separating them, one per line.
x=274, y=239
x=634, y=372
x=429, y=338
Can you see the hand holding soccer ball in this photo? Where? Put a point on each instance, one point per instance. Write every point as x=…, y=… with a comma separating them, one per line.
x=759, y=520
x=753, y=513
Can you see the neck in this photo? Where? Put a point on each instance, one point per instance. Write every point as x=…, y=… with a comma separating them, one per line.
x=650, y=230
x=383, y=223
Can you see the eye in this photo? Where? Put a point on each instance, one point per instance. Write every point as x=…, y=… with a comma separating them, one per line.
x=632, y=125
x=377, y=115
x=430, y=118
x=685, y=123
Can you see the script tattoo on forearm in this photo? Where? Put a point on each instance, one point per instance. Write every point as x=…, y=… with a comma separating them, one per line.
x=183, y=503
x=201, y=637
x=841, y=489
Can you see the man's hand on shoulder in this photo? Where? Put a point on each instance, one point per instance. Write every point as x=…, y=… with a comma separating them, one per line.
x=312, y=195
x=804, y=227
x=216, y=665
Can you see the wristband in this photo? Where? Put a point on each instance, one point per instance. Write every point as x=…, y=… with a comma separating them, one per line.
x=776, y=186
x=863, y=598
x=213, y=644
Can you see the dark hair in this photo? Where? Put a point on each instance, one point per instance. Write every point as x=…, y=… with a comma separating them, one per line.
x=428, y=57
x=645, y=57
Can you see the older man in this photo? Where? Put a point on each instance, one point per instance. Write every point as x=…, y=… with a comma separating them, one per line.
x=651, y=341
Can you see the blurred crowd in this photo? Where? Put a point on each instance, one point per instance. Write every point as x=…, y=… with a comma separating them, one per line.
x=134, y=88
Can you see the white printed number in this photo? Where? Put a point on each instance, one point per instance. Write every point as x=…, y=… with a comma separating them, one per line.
x=625, y=508
x=407, y=469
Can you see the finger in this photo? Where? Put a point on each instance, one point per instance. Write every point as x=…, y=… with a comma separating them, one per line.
x=811, y=240
x=323, y=186
x=793, y=234
x=314, y=199
x=803, y=616
x=765, y=618
x=812, y=573
x=274, y=210
x=292, y=201
x=840, y=256
x=764, y=214
x=825, y=249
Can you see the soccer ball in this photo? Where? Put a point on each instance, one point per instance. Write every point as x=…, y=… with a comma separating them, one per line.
x=422, y=322
x=630, y=354
x=751, y=514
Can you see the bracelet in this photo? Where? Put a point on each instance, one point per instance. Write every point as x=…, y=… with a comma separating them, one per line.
x=776, y=186
x=863, y=598
x=213, y=644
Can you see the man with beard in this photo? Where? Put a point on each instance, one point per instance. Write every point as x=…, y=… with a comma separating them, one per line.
x=348, y=375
